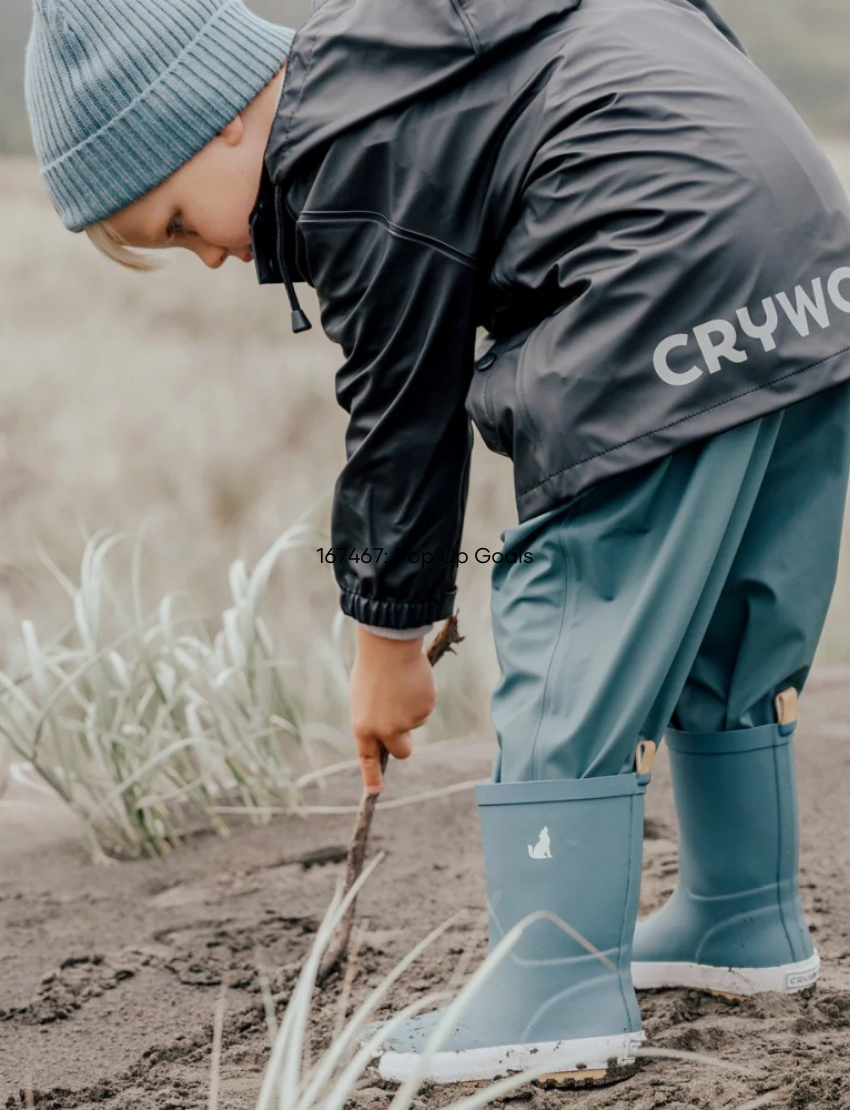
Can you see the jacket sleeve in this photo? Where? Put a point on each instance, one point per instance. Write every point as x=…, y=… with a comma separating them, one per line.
x=401, y=306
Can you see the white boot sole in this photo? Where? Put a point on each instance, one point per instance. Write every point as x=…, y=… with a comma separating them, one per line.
x=588, y=1059
x=746, y=981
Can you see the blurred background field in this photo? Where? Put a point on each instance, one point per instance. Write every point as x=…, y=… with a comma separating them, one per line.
x=182, y=401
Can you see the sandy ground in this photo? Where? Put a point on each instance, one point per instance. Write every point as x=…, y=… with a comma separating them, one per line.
x=109, y=975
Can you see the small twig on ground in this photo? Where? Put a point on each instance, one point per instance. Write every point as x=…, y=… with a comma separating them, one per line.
x=348, y=978
x=215, y=1058
x=338, y=947
x=266, y=992
x=766, y=1099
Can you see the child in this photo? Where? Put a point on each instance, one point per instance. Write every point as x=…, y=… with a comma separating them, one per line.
x=660, y=254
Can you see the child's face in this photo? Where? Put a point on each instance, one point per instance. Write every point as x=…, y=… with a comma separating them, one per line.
x=205, y=205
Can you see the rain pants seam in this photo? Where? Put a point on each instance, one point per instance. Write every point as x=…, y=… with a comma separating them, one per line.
x=568, y=604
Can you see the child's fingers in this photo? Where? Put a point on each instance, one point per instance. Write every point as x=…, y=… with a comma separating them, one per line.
x=401, y=746
x=369, y=754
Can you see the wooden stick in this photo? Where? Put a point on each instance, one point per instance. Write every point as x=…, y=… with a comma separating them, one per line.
x=338, y=947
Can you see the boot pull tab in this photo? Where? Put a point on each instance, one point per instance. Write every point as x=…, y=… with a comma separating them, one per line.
x=645, y=756
x=786, y=706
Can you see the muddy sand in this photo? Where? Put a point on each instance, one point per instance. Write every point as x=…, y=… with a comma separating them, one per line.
x=109, y=976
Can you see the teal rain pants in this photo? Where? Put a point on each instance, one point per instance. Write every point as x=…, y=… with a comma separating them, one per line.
x=687, y=592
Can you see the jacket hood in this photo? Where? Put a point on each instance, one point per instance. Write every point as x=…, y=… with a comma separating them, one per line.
x=356, y=59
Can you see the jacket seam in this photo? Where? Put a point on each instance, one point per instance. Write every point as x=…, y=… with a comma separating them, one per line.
x=294, y=112
x=474, y=41
x=489, y=413
x=681, y=420
x=524, y=409
x=353, y=216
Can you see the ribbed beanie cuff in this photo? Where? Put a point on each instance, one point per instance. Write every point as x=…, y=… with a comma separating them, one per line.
x=120, y=95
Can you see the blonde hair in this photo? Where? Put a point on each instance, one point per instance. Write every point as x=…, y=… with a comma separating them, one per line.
x=109, y=242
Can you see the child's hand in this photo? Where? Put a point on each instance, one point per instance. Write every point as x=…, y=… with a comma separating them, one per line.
x=392, y=691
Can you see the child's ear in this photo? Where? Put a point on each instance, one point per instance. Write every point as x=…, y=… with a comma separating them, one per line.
x=233, y=132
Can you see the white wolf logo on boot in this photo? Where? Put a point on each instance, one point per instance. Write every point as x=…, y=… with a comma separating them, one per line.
x=543, y=848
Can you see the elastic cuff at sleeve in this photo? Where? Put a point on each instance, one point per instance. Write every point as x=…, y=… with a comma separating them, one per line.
x=384, y=613
x=398, y=633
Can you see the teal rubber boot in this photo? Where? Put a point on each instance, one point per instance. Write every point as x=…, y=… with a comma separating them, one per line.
x=563, y=1000
x=734, y=923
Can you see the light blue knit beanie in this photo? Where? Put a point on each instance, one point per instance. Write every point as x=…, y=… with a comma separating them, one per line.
x=120, y=93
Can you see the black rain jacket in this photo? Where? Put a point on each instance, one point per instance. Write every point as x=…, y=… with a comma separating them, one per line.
x=653, y=240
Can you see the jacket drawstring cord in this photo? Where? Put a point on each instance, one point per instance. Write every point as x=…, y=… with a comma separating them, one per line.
x=299, y=318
